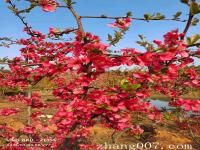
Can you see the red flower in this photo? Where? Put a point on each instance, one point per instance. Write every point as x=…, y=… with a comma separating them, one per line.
x=121, y=23
x=184, y=53
x=48, y=5
x=188, y=105
x=8, y=111
x=28, y=130
x=167, y=56
x=137, y=130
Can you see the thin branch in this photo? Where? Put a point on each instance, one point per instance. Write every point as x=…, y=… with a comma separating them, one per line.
x=27, y=9
x=66, y=31
x=62, y=6
x=21, y=18
x=192, y=45
x=6, y=42
x=6, y=39
x=133, y=18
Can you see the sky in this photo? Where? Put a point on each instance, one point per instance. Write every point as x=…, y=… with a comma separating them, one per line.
x=62, y=18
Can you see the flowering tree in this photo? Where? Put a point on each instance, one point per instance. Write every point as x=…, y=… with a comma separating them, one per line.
x=81, y=105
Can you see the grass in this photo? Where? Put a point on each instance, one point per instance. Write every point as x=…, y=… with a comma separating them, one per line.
x=191, y=95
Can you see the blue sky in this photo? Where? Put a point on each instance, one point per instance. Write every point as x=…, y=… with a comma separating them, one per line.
x=12, y=27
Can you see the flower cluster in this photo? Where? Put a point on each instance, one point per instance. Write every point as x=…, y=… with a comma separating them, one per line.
x=188, y=105
x=81, y=104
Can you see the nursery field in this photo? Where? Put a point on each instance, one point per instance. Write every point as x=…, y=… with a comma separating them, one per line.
x=166, y=134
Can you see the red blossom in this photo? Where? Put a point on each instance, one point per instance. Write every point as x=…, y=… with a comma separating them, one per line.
x=8, y=111
x=137, y=130
x=121, y=23
x=188, y=105
x=48, y=5
x=167, y=56
x=28, y=130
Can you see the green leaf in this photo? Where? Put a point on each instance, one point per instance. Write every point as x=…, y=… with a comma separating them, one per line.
x=124, y=83
x=178, y=14
x=195, y=21
x=12, y=9
x=167, y=116
x=159, y=16
x=129, y=14
x=110, y=37
x=73, y=3
x=43, y=58
x=137, y=136
x=194, y=8
x=141, y=36
x=147, y=16
x=123, y=86
x=193, y=39
x=136, y=86
x=118, y=34
x=189, y=41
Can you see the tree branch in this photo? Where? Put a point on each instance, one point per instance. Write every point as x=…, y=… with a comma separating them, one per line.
x=187, y=26
x=66, y=31
x=192, y=45
x=76, y=16
x=133, y=18
x=6, y=42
